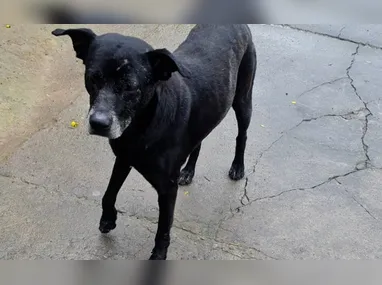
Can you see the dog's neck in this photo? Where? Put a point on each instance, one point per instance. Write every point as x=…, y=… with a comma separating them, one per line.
x=164, y=116
x=155, y=117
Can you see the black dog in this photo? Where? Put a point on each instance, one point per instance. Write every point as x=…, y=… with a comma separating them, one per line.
x=156, y=107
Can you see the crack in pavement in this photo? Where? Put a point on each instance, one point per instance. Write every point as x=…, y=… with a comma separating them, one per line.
x=340, y=32
x=369, y=113
x=241, y=246
x=243, y=249
x=331, y=36
x=366, y=210
x=374, y=101
x=265, y=151
x=23, y=180
x=299, y=189
x=335, y=178
x=365, y=146
x=154, y=222
x=201, y=237
x=346, y=116
x=245, y=196
x=354, y=54
x=320, y=85
x=359, y=203
x=50, y=190
x=220, y=223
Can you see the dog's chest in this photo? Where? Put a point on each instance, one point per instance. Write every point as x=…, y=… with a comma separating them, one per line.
x=139, y=154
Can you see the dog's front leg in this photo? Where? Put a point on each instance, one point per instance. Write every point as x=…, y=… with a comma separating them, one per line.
x=109, y=214
x=166, y=200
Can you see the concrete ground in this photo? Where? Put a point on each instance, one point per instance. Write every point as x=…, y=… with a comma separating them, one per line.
x=313, y=161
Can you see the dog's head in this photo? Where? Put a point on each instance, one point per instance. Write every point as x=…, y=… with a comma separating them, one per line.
x=120, y=76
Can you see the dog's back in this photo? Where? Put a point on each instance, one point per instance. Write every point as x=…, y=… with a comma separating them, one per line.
x=203, y=40
x=214, y=54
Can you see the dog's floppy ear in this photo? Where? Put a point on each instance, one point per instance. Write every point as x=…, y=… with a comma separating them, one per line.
x=81, y=38
x=164, y=64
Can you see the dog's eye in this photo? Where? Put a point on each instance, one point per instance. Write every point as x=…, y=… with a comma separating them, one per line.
x=93, y=82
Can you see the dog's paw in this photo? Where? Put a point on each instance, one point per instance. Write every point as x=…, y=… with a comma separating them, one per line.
x=236, y=172
x=106, y=226
x=107, y=222
x=158, y=255
x=185, y=177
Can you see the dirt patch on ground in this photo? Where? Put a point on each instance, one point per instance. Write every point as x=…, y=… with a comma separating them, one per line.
x=40, y=76
x=35, y=83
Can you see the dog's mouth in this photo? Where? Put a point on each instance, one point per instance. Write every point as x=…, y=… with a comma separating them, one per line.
x=101, y=133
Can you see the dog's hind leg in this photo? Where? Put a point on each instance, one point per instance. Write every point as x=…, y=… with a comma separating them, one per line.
x=188, y=171
x=109, y=213
x=242, y=106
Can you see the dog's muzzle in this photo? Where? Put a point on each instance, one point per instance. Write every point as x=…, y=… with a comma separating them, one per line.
x=105, y=124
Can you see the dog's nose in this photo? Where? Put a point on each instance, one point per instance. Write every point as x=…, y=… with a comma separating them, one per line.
x=100, y=121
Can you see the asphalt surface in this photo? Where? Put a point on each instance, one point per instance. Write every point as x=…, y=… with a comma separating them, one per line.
x=313, y=165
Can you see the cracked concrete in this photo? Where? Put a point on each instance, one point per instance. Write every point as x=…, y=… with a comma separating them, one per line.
x=313, y=166
x=366, y=119
x=366, y=35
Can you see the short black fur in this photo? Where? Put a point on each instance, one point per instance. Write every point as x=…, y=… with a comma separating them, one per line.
x=156, y=107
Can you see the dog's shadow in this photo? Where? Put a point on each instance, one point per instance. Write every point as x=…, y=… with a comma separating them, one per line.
x=123, y=272
x=109, y=245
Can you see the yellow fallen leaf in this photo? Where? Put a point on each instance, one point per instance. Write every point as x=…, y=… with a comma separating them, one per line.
x=7, y=26
x=74, y=124
x=186, y=193
x=262, y=126
x=294, y=102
